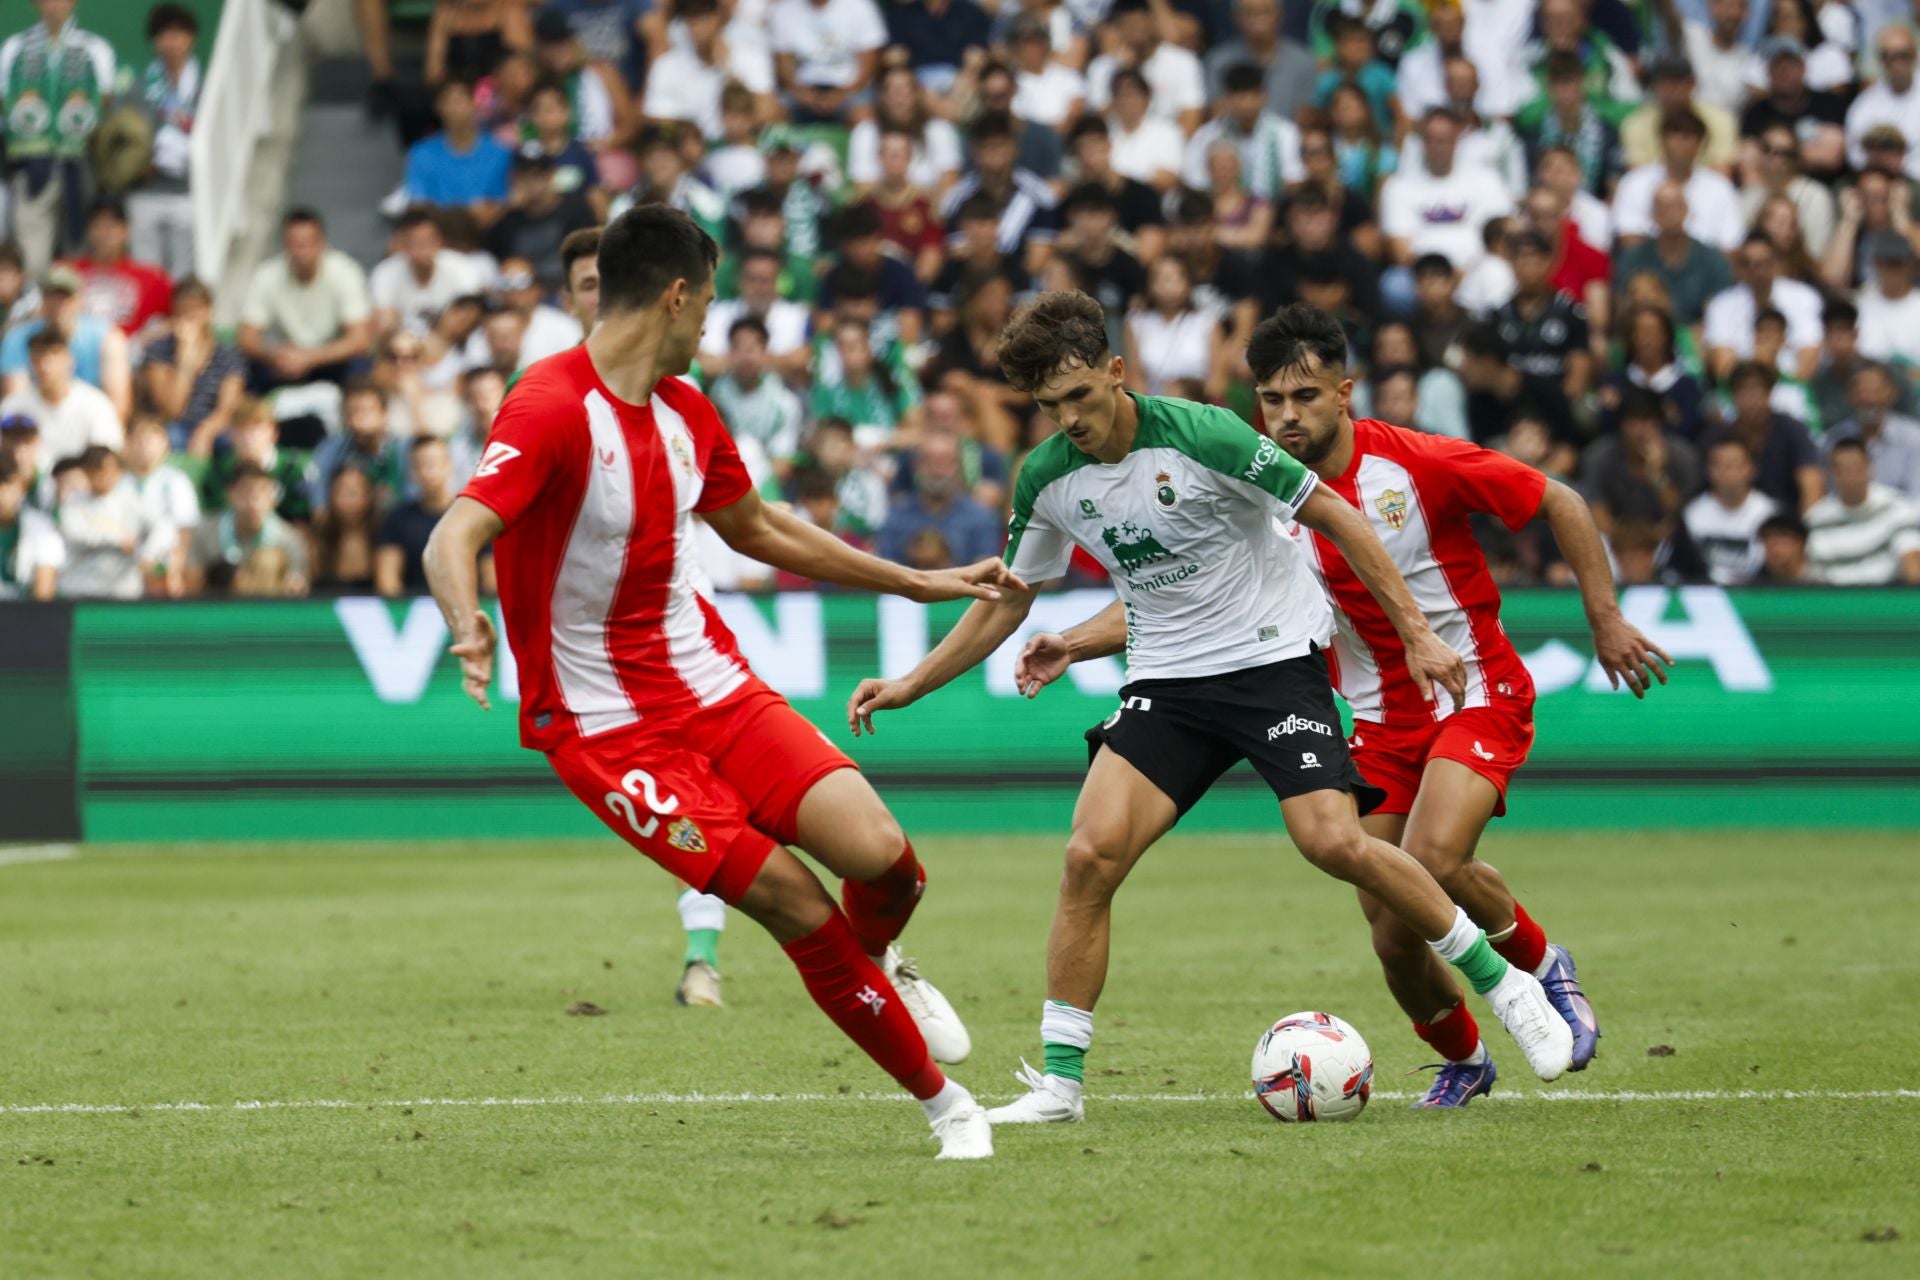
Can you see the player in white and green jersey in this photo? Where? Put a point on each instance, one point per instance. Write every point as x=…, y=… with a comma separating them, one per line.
x=1226, y=626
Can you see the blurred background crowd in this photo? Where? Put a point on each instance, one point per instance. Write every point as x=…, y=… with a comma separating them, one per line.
x=1663, y=249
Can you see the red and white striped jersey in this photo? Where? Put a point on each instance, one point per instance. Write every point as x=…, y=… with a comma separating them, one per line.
x=596, y=567
x=1418, y=491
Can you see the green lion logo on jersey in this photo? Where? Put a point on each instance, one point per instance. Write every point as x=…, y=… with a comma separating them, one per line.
x=1133, y=546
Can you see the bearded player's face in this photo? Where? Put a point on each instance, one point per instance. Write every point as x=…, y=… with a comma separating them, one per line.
x=1302, y=406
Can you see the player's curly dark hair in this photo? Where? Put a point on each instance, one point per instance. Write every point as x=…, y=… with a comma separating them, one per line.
x=1056, y=330
x=1292, y=337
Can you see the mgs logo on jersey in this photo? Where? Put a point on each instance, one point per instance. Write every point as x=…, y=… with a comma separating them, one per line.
x=686, y=836
x=1392, y=506
x=1133, y=546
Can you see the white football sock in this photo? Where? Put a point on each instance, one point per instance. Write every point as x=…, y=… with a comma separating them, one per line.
x=702, y=911
x=1459, y=938
x=951, y=1094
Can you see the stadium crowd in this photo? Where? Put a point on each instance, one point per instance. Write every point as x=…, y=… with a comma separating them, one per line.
x=1664, y=249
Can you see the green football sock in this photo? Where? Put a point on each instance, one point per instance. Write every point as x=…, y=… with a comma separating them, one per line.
x=1067, y=1061
x=1481, y=965
x=703, y=945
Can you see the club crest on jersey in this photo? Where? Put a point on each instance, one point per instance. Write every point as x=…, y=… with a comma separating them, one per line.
x=680, y=452
x=1163, y=491
x=684, y=835
x=1392, y=506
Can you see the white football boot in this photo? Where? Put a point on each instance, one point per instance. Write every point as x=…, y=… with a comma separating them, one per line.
x=1522, y=1006
x=699, y=987
x=964, y=1133
x=946, y=1036
x=1048, y=1100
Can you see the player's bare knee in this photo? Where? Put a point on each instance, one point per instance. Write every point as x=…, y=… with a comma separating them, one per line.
x=1096, y=864
x=1338, y=848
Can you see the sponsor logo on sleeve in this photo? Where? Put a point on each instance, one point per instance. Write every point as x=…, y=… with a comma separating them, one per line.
x=497, y=455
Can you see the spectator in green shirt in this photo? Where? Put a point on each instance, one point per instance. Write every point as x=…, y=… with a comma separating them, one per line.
x=860, y=388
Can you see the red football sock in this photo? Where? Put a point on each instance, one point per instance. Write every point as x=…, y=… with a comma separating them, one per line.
x=879, y=909
x=1526, y=945
x=1454, y=1035
x=853, y=992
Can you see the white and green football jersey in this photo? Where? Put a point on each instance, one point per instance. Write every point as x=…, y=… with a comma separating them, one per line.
x=1186, y=524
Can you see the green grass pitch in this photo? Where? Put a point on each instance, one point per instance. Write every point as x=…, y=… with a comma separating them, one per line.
x=378, y=979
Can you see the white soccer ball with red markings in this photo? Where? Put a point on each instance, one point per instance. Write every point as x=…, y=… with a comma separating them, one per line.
x=1312, y=1066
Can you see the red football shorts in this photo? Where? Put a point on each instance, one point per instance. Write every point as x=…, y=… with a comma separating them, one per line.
x=707, y=793
x=1492, y=741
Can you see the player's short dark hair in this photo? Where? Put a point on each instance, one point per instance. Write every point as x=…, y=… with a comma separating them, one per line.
x=749, y=324
x=1244, y=77
x=1751, y=371
x=647, y=248
x=584, y=243
x=300, y=214
x=46, y=338
x=163, y=18
x=1642, y=405
x=1053, y=331
x=1294, y=337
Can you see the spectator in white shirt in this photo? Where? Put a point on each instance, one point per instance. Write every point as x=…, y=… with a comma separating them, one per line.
x=1863, y=534
x=786, y=322
x=114, y=538
x=1046, y=91
x=1892, y=101
x=1718, y=54
x=70, y=414
x=937, y=151
x=1890, y=307
x=1436, y=207
x=1269, y=146
x=1731, y=315
x=1496, y=36
x=415, y=283
x=1713, y=206
x=825, y=53
x=1146, y=148
x=1174, y=76
x=307, y=315
x=162, y=486
x=1724, y=522
x=685, y=82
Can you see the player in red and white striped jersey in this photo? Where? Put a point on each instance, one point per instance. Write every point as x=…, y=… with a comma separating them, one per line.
x=1444, y=768
x=633, y=686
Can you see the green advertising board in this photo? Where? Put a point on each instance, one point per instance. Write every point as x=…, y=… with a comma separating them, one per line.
x=345, y=718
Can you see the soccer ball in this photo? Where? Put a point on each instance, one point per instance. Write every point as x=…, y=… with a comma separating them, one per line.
x=1312, y=1066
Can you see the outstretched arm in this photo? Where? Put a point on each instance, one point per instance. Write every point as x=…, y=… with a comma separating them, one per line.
x=1428, y=659
x=1049, y=654
x=1623, y=652
x=785, y=541
x=452, y=562
x=982, y=628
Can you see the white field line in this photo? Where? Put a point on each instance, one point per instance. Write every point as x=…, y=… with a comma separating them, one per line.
x=37, y=853
x=708, y=1099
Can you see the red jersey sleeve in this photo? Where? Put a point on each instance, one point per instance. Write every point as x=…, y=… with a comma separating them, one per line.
x=526, y=452
x=724, y=478
x=1465, y=479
